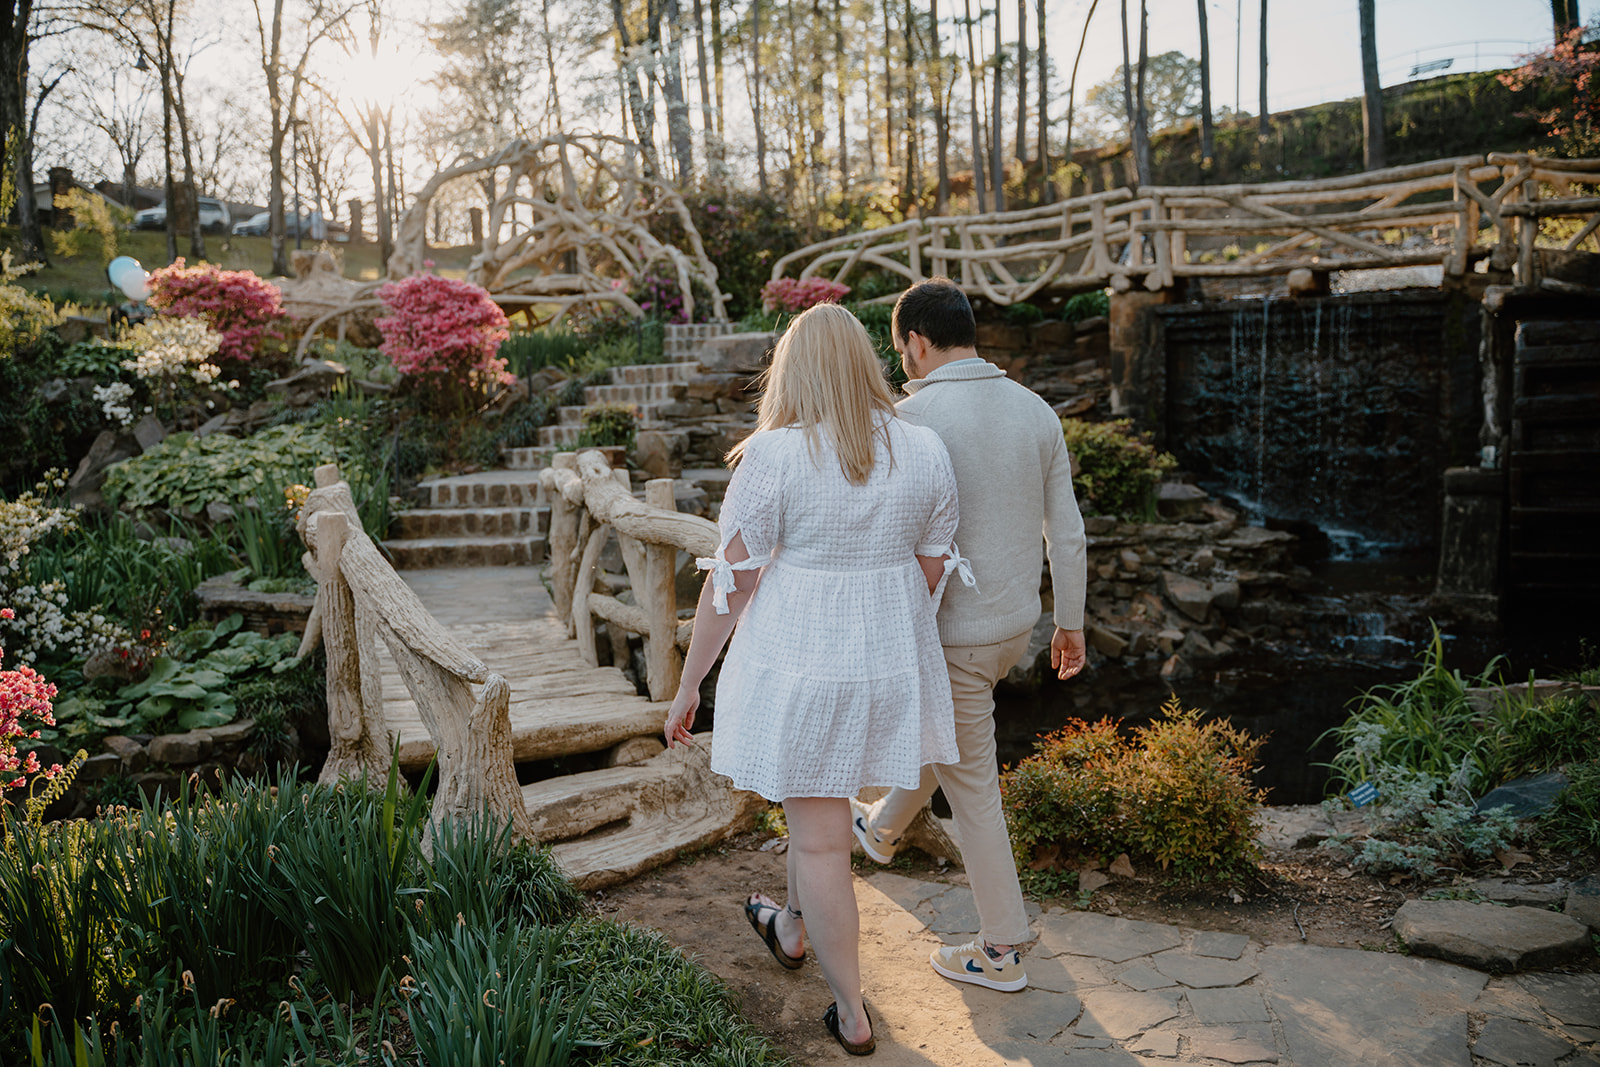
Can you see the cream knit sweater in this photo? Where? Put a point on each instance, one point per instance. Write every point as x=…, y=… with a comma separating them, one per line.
x=1014, y=485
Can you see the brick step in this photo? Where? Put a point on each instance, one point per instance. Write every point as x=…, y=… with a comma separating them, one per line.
x=498, y=488
x=644, y=393
x=527, y=459
x=645, y=373
x=470, y=522
x=424, y=552
x=649, y=414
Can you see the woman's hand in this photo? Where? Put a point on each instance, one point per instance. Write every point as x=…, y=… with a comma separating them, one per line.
x=681, y=717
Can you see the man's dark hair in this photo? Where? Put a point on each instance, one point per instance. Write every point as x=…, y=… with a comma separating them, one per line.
x=939, y=311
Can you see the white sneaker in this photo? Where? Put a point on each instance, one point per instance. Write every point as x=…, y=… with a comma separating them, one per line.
x=874, y=846
x=973, y=963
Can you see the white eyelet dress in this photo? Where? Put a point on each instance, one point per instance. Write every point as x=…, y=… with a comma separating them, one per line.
x=835, y=678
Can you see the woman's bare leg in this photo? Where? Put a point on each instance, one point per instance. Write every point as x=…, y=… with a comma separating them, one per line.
x=820, y=887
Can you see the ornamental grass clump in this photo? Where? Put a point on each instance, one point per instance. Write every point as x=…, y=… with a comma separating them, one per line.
x=1175, y=794
x=443, y=336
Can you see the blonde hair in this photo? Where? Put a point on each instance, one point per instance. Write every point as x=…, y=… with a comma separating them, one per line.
x=825, y=377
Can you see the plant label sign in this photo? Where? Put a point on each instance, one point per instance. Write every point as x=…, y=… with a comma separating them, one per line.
x=1363, y=794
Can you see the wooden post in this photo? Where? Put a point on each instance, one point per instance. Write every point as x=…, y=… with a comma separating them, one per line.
x=358, y=739
x=664, y=663
x=563, y=539
x=582, y=617
x=1527, y=231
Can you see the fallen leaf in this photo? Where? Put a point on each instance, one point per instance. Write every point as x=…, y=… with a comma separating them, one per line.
x=1122, y=867
x=1045, y=857
x=1509, y=859
x=1396, y=879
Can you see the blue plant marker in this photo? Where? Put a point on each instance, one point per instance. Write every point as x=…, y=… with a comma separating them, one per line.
x=1363, y=794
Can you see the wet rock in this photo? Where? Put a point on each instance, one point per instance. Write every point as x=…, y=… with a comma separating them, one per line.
x=1176, y=669
x=1176, y=500
x=1189, y=595
x=99, y=767
x=1196, y=649
x=1489, y=937
x=1524, y=796
x=1225, y=595
x=1105, y=642
x=133, y=755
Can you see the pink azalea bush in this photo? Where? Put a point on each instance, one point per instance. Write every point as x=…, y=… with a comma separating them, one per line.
x=24, y=707
x=444, y=332
x=243, y=307
x=796, y=294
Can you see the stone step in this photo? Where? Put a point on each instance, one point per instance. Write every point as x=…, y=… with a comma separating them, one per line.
x=470, y=522
x=498, y=488
x=425, y=552
x=527, y=459
x=684, y=338
x=645, y=373
x=609, y=825
x=642, y=393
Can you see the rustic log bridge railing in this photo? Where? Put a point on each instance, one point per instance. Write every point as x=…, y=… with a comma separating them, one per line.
x=361, y=600
x=1122, y=237
x=589, y=502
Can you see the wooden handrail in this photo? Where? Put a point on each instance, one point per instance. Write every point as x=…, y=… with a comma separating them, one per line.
x=1122, y=236
x=361, y=600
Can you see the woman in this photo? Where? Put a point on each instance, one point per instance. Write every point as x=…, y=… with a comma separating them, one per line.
x=836, y=540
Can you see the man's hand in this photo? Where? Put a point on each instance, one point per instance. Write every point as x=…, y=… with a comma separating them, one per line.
x=1066, y=653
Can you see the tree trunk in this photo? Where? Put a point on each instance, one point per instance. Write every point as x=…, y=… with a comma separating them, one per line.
x=1022, y=83
x=911, y=195
x=380, y=200
x=1043, y=119
x=272, y=49
x=840, y=77
x=677, y=105
x=1372, y=92
x=197, y=233
x=643, y=121
x=169, y=187
x=888, y=85
x=815, y=112
x=550, y=67
x=1565, y=13
x=708, y=134
x=979, y=184
x=1266, y=115
x=1141, y=120
x=997, y=170
x=16, y=17
x=941, y=112
x=1072, y=89
x=716, y=61
x=761, y=126
x=1207, y=144
x=1129, y=103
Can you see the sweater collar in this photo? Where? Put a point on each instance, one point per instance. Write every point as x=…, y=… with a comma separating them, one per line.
x=970, y=369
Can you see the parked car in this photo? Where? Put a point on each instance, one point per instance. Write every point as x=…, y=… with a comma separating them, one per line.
x=214, y=216
x=258, y=225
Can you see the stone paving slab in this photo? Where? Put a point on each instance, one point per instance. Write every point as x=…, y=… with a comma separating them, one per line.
x=1088, y=933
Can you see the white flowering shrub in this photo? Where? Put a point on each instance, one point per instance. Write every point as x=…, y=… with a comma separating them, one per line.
x=174, y=358
x=41, y=622
x=116, y=402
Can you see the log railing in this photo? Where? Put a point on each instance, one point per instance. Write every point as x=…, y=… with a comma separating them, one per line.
x=1441, y=212
x=360, y=601
x=588, y=502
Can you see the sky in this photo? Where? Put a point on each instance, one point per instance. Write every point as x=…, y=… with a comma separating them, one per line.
x=1314, y=49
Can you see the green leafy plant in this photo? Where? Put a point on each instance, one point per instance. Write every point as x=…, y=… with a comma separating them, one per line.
x=1176, y=793
x=1115, y=470
x=1574, y=821
x=606, y=424
x=1419, y=820
x=1093, y=304
x=185, y=473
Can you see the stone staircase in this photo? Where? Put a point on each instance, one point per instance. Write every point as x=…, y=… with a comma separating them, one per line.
x=650, y=387
x=494, y=519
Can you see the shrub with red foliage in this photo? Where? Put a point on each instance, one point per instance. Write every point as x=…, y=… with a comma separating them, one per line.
x=1569, y=73
x=24, y=705
x=445, y=333
x=246, y=309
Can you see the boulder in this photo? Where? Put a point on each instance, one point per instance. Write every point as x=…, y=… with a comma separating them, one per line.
x=133, y=755
x=1583, y=901
x=1189, y=595
x=1489, y=937
x=741, y=353
x=100, y=766
x=1525, y=796
x=1176, y=500
x=111, y=663
x=180, y=750
x=660, y=452
x=149, y=432
x=1106, y=642
x=109, y=449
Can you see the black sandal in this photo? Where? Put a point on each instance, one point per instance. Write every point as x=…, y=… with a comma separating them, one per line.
x=768, y=932
x=830, y=1019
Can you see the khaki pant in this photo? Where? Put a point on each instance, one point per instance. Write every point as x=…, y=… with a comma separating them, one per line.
x=972, y=786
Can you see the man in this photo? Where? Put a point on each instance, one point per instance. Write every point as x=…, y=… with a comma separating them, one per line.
x=1014, y=482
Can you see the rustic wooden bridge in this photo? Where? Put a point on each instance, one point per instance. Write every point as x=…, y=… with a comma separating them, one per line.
x=1451, y=213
